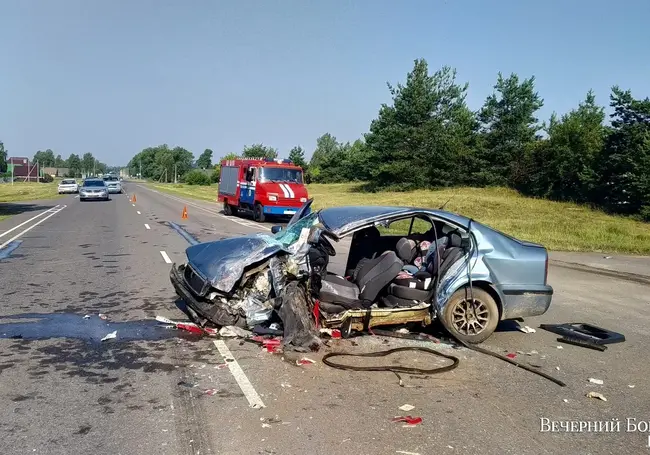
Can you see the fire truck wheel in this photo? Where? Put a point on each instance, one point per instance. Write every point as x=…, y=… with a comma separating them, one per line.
x=258, y=213
x=227, y=209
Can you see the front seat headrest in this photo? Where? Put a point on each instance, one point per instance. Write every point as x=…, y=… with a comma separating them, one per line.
x=406, y=249
x=454, y=240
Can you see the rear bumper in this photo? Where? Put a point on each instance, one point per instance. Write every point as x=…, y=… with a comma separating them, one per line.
x=280, y=210
x=68, y=190
x=115, y=190
x=520, y=303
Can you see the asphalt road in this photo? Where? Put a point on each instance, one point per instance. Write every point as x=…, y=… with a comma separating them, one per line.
x=62, y=391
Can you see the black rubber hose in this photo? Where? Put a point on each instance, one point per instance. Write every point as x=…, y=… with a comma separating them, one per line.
x=395, y=369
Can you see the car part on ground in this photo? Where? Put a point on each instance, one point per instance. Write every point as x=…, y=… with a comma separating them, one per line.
x=393, y=368
x=585, y=332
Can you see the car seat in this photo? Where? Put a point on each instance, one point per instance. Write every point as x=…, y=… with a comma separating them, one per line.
x=338, y=294
x=405, y=291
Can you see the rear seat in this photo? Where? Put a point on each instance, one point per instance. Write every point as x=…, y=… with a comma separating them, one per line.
x=407, y=289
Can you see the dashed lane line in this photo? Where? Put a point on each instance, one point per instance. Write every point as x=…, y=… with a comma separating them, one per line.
x=31, y=227
x=31, y=219
x=138, y=212
x=165, y=257
x=242, y=380
x=146, y=226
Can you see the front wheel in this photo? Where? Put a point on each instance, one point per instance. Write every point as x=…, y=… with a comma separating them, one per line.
x=258, y=213
x=471, y=321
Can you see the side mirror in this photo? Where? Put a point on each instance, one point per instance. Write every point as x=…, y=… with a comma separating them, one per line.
x=276, y=229
x=465, y=241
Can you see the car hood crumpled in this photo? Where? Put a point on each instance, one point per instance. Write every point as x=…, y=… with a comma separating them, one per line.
x=222, y=262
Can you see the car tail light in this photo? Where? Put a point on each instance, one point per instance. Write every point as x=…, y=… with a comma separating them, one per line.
x=303, y=199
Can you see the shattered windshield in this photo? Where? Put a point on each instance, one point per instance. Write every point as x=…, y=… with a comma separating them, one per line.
x=279, y=174
x=291, y=234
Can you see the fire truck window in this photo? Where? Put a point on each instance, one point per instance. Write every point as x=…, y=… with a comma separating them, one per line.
x=250, y=173
x=278, y=174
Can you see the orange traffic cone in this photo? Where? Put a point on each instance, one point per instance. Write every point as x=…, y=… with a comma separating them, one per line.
x=184, y=214
x=133, y=198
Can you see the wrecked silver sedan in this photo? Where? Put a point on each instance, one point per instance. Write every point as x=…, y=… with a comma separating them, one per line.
x=403, y=265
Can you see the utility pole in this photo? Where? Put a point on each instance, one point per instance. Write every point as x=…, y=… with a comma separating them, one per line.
x=37, y=173
x=94, y=167
x=140, y=176
x=175, y=174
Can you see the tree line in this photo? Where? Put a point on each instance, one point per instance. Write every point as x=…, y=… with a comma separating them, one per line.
x=76, y=166
x=428, y=137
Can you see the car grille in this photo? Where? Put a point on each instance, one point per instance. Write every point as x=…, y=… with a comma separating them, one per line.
x=194, y=281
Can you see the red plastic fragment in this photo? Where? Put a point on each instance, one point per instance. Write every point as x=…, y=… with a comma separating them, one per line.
x=409, y=420
x=190, y=328
x=336, y=333
x=316, y=313
x=512, y=355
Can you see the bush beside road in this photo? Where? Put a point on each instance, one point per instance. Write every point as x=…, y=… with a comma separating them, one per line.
x=560, y=226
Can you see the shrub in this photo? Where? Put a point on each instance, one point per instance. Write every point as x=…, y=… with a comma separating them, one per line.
x=197, y=177
x=214, y=178
x=47, y=178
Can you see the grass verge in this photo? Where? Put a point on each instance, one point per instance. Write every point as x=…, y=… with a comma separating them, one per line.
x=23, y=191
x=559, y=226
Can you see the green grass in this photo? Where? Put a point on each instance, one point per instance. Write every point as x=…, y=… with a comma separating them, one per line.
x=24, y=191
x=203, y=193
x=559, y=226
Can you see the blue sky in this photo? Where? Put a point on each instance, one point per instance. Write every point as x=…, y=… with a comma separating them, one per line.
x=113, y=77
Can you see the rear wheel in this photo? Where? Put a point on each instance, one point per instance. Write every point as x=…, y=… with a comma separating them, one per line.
x=258, y=213
x=228, y=209
x=471, y=320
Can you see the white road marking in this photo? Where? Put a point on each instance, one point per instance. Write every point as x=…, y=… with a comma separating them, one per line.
x=139, y=212
x=31, y=219
x=31, y=227
x=133, y=205
x=165, y=257
x=77, y=196
x=146, y=226
x=244, y=384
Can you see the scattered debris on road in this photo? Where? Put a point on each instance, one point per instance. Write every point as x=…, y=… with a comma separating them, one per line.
x=407, y=407
x=110, y=336
x=527, y=329
x=409, y=420
x=305, y=361
x=597, y=395
x=596, y=381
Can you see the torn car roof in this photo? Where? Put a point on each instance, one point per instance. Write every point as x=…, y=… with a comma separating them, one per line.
x=339, y=220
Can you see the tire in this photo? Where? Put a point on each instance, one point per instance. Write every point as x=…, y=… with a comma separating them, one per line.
x=227, y=209
x=258, y=213
x=454, y=315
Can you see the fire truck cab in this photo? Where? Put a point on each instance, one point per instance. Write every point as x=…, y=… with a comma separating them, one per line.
x=263, y=186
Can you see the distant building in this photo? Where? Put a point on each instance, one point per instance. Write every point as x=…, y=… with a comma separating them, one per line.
x=56, y=171
x=23, y=169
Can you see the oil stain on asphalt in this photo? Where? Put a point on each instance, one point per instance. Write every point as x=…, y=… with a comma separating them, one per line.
x=40, y=326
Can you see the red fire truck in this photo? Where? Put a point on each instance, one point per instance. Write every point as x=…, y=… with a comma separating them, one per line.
x=261, y=185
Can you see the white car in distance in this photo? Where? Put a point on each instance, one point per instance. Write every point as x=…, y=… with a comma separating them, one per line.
x=68, y=186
